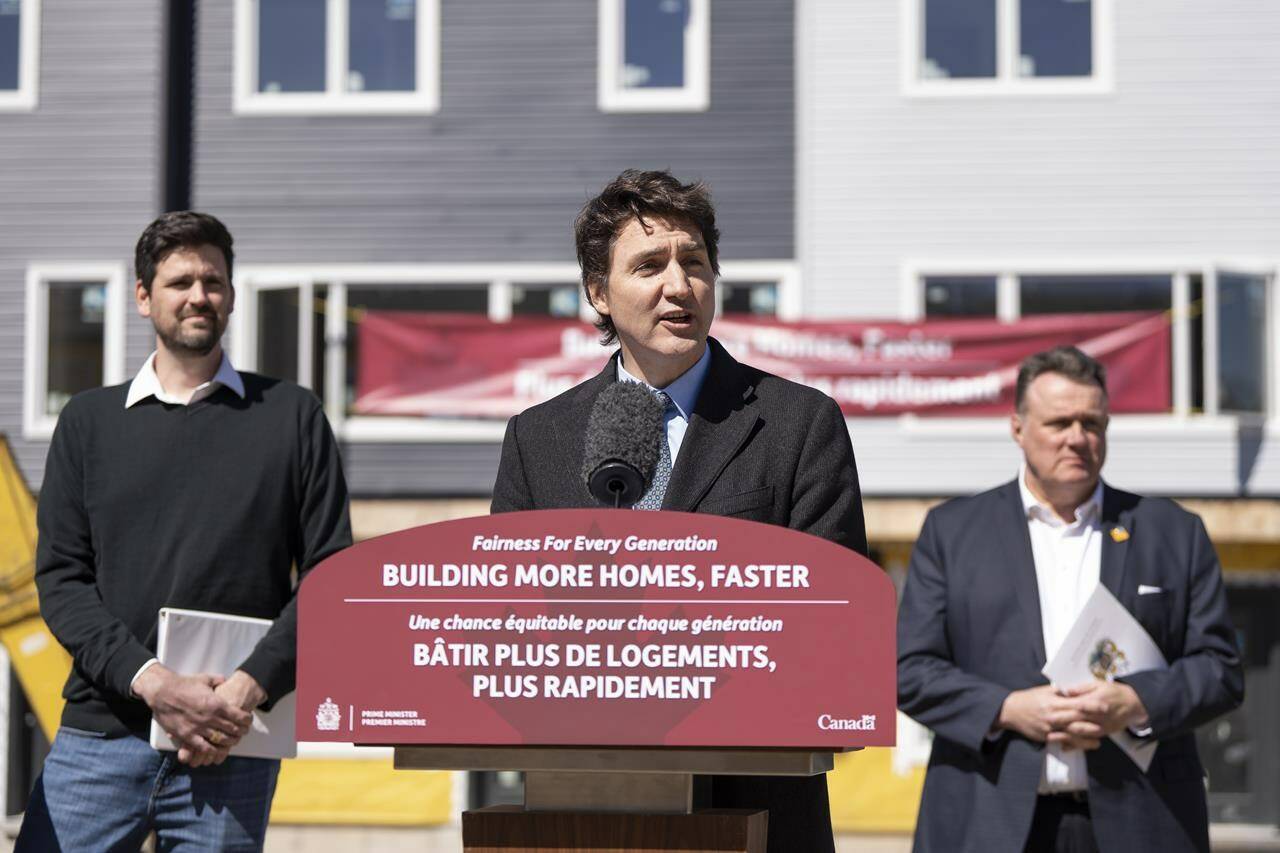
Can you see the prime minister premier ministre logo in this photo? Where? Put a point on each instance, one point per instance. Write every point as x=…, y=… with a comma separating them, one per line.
x=865, y=723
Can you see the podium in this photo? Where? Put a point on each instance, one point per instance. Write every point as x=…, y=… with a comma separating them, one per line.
x=624, y=799
x=612, y=656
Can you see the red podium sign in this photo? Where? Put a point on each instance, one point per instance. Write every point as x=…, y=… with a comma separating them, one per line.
x=598, y=627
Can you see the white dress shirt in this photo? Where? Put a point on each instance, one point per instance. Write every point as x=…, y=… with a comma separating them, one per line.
x=147, y=384
x=683, y=393
x=1068, y=560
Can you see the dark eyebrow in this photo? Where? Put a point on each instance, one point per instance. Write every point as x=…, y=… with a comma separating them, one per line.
x=187, y=278
x=639, y=257
x=691, y=246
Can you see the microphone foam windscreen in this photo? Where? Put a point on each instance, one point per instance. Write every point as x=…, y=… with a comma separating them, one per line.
x=625, y=425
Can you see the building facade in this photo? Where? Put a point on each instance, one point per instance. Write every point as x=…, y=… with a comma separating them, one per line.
x=904, y=160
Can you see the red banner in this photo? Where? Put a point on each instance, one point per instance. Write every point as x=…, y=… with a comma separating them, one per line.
x=454, y=365
x=598, y=627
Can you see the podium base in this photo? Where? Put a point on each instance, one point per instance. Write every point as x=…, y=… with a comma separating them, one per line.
x=514, y=829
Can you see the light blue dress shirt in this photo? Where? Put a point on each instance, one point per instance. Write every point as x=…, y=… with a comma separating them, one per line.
x=683, y=393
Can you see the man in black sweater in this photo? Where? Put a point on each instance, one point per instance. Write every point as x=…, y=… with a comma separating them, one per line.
x=193, y=486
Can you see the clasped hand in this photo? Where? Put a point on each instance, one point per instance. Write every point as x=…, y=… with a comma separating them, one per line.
x=1076, y=718
x=206, y=715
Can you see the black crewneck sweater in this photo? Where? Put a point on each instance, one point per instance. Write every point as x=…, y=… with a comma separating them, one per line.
x=206, y=507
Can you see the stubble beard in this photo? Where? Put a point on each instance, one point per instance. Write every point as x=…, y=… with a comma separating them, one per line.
x=197, y=343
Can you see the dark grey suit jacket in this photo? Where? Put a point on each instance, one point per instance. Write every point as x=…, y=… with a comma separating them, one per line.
x=757, y=447
x=969, y=632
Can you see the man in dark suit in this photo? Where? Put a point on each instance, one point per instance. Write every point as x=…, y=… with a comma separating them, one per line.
x=995, y=583
x=738, y=441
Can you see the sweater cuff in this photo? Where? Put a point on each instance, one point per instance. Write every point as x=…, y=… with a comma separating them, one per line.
x=125, y=665
x=274, y=676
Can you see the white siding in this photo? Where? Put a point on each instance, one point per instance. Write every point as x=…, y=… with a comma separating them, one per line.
x=1179, y=161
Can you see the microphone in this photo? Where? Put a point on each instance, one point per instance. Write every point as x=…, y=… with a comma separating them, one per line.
x=621, y=447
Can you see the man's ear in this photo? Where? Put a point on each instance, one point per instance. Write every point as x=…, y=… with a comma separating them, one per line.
x=231, y=297
x=142, y=299
x=1015, y=427
x=598, y=296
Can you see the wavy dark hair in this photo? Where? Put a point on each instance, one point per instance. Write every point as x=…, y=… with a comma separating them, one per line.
x=177, y=230
x=637, y=195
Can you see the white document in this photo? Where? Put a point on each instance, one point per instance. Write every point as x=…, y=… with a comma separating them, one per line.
x=193, y=641
x=1105, y=643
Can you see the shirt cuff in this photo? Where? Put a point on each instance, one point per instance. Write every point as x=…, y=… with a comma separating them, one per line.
x=138, y=674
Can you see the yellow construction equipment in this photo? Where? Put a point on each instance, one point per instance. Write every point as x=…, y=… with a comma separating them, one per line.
x=41, y=664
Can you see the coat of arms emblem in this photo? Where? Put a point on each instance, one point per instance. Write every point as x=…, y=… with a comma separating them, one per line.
x=328, y=716
x=1106, y=661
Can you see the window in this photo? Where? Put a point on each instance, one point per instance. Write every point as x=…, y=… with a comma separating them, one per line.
x=1242, y=342
x=751, y=298
x=1061, y=294
x=289, y=333
x=959, y=39
x=19, y=52
x=960, y=296
x=278, y=333
x=654, y=55
x=74, y=337
x=1222, y=360
x=990, y=46
x=1055, y=38
x=312, y=57
x=546, y=300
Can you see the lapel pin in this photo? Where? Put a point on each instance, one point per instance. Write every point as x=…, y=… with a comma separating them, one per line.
x=1119, y=534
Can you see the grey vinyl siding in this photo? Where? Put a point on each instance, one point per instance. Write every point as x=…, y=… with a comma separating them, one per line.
x=80, y=175
x=420, y=470
x=499, y=172
x=517, y=145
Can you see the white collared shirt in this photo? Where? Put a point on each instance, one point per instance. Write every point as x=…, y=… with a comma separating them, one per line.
x=1068, y=560
x=147, y=384
x=683, y=392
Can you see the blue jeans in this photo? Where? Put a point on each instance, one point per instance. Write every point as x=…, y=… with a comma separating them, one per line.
x=97, y=793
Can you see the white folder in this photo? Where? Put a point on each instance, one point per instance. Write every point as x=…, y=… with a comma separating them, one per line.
x=1106, y=642
x=194, y=641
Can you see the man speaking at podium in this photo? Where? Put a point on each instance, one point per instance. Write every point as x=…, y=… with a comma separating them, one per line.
x=738, y=441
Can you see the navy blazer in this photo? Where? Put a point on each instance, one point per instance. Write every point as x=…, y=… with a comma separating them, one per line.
x=969, y=632
x=758, y=447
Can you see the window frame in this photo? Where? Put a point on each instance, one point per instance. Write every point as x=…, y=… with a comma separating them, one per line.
x=693, y=96
x=497, y=278
x=35, y=423
x=1009, y=272
x=25, y=98
x=334, y=99
x=1006, y=82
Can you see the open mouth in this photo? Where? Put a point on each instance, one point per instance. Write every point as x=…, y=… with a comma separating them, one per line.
x=677, y=318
